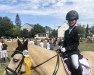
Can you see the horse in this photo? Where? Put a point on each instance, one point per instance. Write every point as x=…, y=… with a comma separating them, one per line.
x=45, y=62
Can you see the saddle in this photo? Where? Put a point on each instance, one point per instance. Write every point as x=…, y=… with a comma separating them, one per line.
x=86, y=70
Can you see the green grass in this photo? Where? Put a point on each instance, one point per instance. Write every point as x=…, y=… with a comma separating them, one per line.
x=86, y=46
x=83, y=47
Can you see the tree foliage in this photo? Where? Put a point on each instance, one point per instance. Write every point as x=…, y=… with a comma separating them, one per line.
x=38, y=29
x=87, y=31
x=5, y=26
x=18, y=21
x=15, y=31
x=53, y=33
x=25, y=33
x=82, y=30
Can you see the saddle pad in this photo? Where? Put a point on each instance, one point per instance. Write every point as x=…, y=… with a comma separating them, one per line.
x=86, y=69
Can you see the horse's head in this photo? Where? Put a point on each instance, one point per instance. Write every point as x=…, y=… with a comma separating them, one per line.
x=16, y=65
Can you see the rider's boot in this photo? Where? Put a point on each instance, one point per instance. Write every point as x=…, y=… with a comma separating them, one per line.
x=79, y=71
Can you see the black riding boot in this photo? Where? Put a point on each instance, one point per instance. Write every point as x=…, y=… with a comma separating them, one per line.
x=79, y=71
x=73, y=72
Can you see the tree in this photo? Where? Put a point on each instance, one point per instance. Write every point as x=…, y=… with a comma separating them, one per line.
x=53, y=33
x=39, y=29
x=36, y=29
x=5, y=26
x=25, y=33
x=87, y=31
x=82, y=30
x=32, y=33
x=18, y=21
x=15, y=31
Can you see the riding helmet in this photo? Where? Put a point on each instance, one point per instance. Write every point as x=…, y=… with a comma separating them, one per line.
x=72, y=15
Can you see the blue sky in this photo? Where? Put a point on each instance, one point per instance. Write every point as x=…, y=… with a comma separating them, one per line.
x=47, y=12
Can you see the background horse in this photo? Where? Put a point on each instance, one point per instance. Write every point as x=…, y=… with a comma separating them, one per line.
x=39, y=55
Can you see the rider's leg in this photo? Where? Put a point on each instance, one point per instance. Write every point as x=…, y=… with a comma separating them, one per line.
x=75, y=62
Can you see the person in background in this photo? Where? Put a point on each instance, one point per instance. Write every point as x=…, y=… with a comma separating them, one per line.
x=41, y=44
x=4, y=51
x=55, y=40
x=51, y=45
x=35, y=42
x=48, y=45
x=31, y=42
x=1, y=50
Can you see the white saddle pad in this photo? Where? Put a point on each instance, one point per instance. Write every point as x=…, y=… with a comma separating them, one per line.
x=85, y=66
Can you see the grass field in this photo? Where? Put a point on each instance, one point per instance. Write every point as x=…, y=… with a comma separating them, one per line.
x=83, y=47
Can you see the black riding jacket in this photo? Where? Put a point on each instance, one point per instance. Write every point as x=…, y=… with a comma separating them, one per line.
x=71, y=40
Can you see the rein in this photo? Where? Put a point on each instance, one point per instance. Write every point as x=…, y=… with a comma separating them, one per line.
x=56, y=67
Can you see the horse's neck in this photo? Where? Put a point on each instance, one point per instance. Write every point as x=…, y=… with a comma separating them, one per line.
x=39, y=55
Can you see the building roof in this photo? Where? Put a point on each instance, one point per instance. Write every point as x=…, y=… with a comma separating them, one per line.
x=27, y=26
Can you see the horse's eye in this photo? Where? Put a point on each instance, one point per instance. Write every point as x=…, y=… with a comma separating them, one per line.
x=15, y=60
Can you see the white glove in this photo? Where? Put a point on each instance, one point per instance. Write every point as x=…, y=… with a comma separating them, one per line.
x=63, y=49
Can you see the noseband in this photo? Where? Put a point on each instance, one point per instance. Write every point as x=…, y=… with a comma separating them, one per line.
x=17, y=70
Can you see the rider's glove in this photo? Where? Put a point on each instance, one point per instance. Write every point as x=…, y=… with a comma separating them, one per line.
x=63, y=49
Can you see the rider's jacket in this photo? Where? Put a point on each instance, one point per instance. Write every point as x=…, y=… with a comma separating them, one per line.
x=71, y=40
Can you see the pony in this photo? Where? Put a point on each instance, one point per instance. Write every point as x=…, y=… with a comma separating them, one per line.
x=45, y=62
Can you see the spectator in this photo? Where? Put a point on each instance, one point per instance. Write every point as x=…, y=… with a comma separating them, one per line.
x=32, y=42
x=35, y=42
x=60, y=42
x=4, y=51
x=41, y=44
x=55, y=40
x=0, y=50
x=48, y=45
x=51, y=45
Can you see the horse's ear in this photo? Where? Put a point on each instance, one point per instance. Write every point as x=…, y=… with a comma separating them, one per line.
x=25, y=44
x=19, y=43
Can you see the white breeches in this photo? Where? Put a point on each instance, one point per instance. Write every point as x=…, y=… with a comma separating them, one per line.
x=75, y=60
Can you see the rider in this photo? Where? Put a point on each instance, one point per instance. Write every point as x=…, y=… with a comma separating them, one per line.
x=71, y=41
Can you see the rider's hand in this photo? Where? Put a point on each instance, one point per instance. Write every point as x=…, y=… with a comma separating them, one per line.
x=63, y=49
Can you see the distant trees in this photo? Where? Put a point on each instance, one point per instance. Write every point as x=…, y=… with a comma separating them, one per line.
x=25, y=33
x=87, y=31
x=15, y=31
x=18, y=21
x=82, y=30
x=53, y=33
x=6, y=26
x=8, y=29
x=37, y=29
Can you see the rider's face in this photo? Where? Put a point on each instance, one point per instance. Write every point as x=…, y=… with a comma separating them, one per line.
x=72, y=22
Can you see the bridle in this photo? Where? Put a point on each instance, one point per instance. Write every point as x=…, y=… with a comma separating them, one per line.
x=17, y=70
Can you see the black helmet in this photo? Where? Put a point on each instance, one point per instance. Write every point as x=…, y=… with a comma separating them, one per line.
x=72, y=15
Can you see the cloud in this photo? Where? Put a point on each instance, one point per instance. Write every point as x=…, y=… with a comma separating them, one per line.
x=56, y=8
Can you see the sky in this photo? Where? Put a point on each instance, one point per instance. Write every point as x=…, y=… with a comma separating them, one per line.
x=47, y=12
